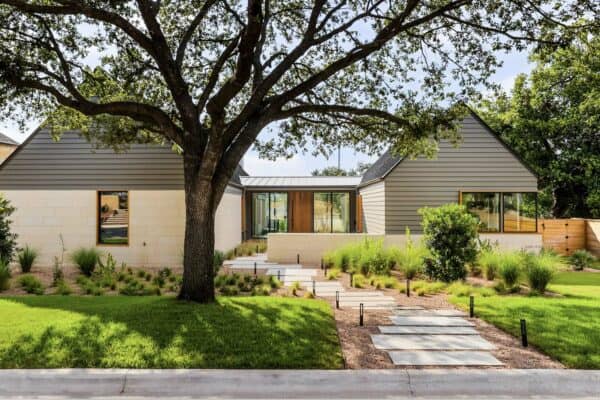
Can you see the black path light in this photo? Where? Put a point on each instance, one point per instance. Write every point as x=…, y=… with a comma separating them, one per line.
x=297, y=258
x=337, y=299
x=314, y=288
x=321, y=262
x=471, y=306
x=254, y=268
x=279, y=275
x=408, y=288
x=524, y=333
x=362, y=313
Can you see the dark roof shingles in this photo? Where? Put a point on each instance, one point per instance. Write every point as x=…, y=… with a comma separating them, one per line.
x=381, y=167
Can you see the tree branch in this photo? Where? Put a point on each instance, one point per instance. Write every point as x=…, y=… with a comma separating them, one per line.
x=187, y=36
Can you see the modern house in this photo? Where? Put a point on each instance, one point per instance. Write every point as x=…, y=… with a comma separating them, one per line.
x=7, y=146
x=132, y=204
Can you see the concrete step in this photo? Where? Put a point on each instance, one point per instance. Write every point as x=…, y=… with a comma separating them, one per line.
x=430, y=321
x=443, y=358
x=427, y=330
x=410, y=308
x=430, y=313
x=430, y=342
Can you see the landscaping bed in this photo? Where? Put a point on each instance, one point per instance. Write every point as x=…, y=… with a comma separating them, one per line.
x=161, y=332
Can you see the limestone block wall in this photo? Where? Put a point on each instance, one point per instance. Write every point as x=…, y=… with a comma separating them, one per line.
x=156, y=224
x=284, y=247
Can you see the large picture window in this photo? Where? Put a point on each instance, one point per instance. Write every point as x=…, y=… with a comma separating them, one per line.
x=113, y=218
x=502, y=212
x=331, y=212
x=269, y=213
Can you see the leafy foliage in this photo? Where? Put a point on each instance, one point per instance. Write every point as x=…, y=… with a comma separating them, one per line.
x=8, y=240
x=450, y=234
x=5, y=275
x=31, y=284
x=86, y=259
x=551, y=119
x=335, y=171
x=540, y=268
x=581, y=259
x=26, y=258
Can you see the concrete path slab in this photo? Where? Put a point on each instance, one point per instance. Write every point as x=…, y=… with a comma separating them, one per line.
x=432, y=313
x=427, y=330
x=430, y=321
x=360, y=294
x=430, y=342
x=410, y=308
x=443, y=358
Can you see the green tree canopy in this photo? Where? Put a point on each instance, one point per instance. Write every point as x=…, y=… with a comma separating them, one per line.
x=552, y=118
x=335, y=171
x=210, y=75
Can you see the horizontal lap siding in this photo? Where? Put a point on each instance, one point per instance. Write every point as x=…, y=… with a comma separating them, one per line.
x=373, y=203
x=73, y=163
x=481, y=162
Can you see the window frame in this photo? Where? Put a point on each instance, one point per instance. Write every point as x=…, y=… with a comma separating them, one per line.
x=98, y=224
x=330, y=194
x=501, y=193
x=268, y=193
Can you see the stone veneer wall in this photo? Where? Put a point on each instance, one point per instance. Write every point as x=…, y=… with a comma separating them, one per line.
x=156, y=224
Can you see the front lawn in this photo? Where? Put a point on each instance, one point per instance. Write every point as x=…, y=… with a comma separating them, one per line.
x=566, y=328
x=160, y=332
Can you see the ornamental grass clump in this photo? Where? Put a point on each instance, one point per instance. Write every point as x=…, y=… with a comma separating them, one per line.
x=540, y=269
x=27, y=257
x=581, y=259
x=31, y=284
x=86, y=259
x=510, y=268
x=489, y=260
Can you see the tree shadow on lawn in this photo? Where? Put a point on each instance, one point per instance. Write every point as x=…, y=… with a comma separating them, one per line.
x=563, y=329
x=155, y=332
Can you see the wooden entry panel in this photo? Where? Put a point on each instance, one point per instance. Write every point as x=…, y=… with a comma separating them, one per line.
x=301, y=205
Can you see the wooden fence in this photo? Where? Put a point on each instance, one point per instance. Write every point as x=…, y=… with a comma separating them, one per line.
x=567, y=235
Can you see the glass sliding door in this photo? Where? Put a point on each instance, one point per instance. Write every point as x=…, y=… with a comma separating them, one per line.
x=331, y=212
x=322, y=213
x=486, y=207
x=340, y=212
x=520, y=212
x=269, y=213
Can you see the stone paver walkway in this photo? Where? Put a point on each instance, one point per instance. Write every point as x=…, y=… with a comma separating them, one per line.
x=420, y=337
x=417, y=337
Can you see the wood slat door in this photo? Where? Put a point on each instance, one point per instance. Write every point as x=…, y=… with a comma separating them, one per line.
x=301, y=208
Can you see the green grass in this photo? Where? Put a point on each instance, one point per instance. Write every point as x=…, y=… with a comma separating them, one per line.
x=566, y=328
x=158, y=332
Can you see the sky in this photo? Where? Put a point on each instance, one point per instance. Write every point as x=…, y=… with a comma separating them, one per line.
x=302, y=164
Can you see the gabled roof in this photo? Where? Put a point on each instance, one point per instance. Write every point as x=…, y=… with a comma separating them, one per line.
x=274, y=182
x=6, y=140
x=387, y=162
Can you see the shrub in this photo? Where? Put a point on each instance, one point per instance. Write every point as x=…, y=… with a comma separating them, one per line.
x=26, y=258
x=309, y=295
x=539, y=269
x=510, y=268
x=86, y=259
x=141, y=274
x=137, y=288
x=274, y=282
x=250, y=247
x=581, y=259
x=475, y=269
x=450, y=234
x=218, y=258
x=359, y=281
x=57, y=272
x=334, y=273
x=165, y=272
x=411, y=258
x=230, y=291
x=261, y=290
x=31, y=284
x=383, y=281
x=88, y=286
x=4, y=275
x=63, y=289
x=489, y=260
x=460, y=289
x=159, y=281
x=8, y=240
x=427, y=287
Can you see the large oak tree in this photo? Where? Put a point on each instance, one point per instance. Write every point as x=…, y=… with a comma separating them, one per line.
x=210, y=75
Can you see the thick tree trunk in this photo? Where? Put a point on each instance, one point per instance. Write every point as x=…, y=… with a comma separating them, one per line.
x=198, y=269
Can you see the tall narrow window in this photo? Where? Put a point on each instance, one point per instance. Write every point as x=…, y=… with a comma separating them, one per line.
x=486, y=207
x=269, y=213
x=113, y=218
x=520, y=211
x=331, y=212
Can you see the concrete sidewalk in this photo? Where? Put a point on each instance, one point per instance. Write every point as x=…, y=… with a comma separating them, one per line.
x=295, y=384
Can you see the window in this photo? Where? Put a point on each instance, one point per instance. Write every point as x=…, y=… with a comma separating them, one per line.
x=269, y=213
x=503, y=212
x=486, y=207
x=113, y=218
x=331, y=212
x=520, y=210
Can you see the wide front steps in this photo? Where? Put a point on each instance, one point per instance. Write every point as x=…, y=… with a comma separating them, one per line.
x=420, y=337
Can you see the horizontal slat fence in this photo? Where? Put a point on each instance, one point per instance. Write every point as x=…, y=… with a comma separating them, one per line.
x=563, y=235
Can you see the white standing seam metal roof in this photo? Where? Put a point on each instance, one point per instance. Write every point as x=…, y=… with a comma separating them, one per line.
x=300, y=181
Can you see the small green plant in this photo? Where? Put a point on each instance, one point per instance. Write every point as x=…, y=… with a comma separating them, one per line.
x=137, y=288
x=141, y=274
x=218, y=258
x=359, y=281
x=309, y=295
x=31, y=284
x=383, y=281
x=165, y=272
x=539, y=269
x=63, y=289
x=86, y=259
x=230, y=290
x=57, y=272
x=274, y=282
x=334, y=273
x=581, y=259
x=88, y=286
x=410, y=260
x=450, y=234
x=159, y=281
x=489, y=260
x=261, y=290
x=27, y=257
x=5, y=275
x=510, y=268
x=8, y=240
